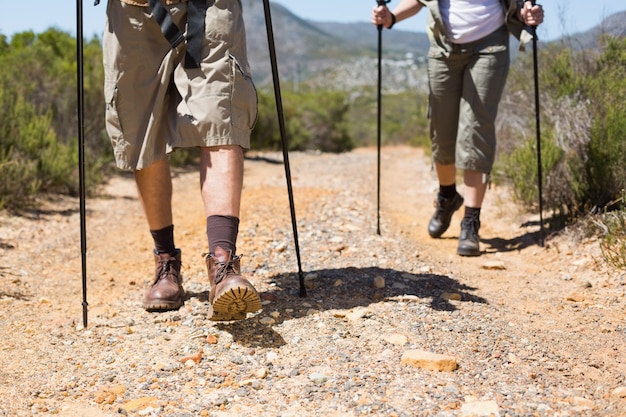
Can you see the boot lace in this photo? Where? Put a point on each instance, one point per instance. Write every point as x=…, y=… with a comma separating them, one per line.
x=167, y=267
x=224, y=268
x=469, y=229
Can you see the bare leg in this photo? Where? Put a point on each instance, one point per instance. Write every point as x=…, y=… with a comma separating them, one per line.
x=221, y=180
x=475, y=188
x=154, y=186
x=446, y=174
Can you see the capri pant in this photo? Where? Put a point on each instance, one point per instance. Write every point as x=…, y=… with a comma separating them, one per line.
x=466, y=85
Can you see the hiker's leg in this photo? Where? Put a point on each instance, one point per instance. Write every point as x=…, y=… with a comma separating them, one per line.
x=446, y=174
x=221, y=180
x=154, y=186
x=475, y=187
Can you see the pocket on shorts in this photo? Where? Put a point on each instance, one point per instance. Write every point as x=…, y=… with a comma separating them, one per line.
x=113, y=124
x=244, y=102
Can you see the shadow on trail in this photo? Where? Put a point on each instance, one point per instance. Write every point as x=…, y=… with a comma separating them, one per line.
x=6, y=245
x=552, y=226
x=266, y=159
x=11, y=279
x=42, y=214
x=498, y=244
x=345, y=289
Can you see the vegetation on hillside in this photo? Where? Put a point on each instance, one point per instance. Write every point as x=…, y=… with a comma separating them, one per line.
x=583, y=140
x=583, y=128
x=38, y=102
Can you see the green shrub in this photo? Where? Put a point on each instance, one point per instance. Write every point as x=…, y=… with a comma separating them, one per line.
x=583, y=117
x=613, y=243
x=606, y=170
x=606, y=167
x=521, y=167
x=38, y=126
x=613, y=234
x=19, y=181
x=32, y=159
x=404, y=119
x=266, y=133
x=314, y=120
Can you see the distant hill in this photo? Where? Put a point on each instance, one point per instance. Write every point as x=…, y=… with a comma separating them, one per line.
x=344, y=55
x=614, y=25
x=306, y=49
x=365, y=35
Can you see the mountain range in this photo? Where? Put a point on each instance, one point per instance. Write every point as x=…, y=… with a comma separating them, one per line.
x=344, y=55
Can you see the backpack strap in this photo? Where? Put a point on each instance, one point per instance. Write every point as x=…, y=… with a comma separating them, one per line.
x=168, y=28
x=196, y=13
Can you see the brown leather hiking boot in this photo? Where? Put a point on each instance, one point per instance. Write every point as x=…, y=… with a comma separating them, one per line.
x=166, y=292
x=231, y=296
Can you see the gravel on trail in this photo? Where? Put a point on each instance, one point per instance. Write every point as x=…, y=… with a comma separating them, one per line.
x=394, y=324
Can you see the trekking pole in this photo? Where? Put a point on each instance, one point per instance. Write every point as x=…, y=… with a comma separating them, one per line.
x=283, y=136
x=379, y=115
x=538, y=131
x=81, y=151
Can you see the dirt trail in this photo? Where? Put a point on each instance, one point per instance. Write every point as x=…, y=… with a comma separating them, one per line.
x=540, y=331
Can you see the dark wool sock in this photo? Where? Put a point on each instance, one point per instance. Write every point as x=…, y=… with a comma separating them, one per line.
x=472, y=213
x=164, y=240
x=222, y=231
x=447, y=191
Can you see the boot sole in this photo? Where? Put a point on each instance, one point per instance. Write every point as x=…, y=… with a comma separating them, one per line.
x=163, y=305
x=235, y=303
x=468, y=252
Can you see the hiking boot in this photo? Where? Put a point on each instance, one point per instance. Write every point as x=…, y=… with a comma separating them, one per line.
x=468, y=240
x=166, y=292
x=231, y=295
x=445, y=208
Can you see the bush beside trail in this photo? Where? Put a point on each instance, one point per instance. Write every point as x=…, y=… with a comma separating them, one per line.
x=583, y=129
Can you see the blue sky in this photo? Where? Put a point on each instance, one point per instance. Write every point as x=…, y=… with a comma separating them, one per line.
x=562, y=16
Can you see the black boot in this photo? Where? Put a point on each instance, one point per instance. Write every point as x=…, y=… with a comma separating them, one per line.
x=445, y=208
x=468, y=240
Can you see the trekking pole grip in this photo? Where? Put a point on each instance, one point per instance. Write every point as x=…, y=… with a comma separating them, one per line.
x=535, y=38
x=534, y=3
x=381, y=3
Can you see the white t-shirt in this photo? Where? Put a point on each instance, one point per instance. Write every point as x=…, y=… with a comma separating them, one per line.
x=470, y=20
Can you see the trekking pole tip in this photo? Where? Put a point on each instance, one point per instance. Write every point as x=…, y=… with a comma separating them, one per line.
x=85, y=304
x=302, y=285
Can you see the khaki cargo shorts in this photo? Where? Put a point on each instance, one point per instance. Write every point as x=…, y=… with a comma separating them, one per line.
x=154, y=104
x=466, y=84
